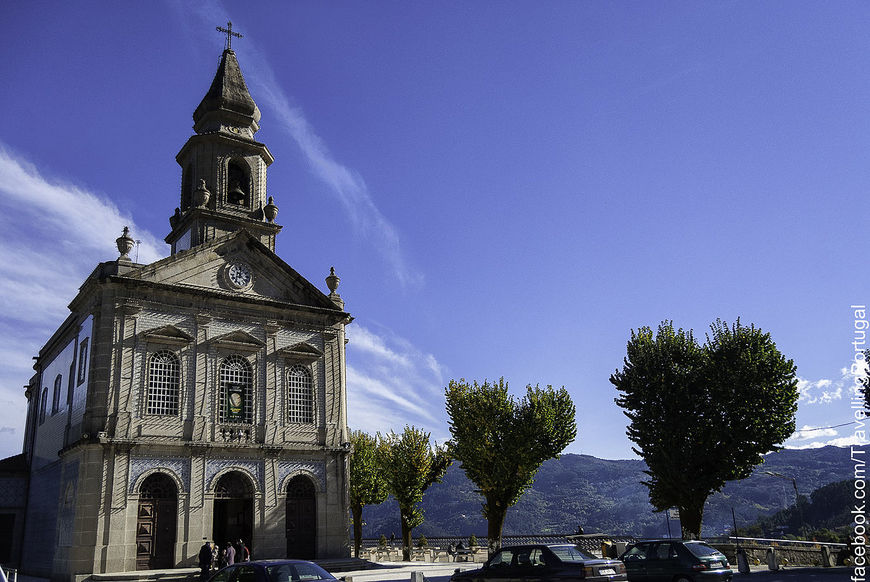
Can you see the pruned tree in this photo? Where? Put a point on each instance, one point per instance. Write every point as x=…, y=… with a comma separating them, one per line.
x=501, y=442
x=703, y=415
x=410, y=465
x=367, y=485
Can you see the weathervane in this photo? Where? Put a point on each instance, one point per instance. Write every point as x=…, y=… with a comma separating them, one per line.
x=230, y=34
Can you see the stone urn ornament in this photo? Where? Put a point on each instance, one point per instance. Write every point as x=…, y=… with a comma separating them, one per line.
x=332, y=281
x=202, y=195
x=125, y=244
x=270, y=210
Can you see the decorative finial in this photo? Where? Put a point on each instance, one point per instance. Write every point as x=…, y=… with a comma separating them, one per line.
x=230, y=34
x=125, y=244
x=202, y=195
x=332, y=281
x=271, y=210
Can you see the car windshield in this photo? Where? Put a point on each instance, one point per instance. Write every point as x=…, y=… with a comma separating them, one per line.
x=570, y=553
x=299, y=571
x=701, y=550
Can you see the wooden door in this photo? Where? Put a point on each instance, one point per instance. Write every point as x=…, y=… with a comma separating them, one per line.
x=301, y=519
x=155, y=524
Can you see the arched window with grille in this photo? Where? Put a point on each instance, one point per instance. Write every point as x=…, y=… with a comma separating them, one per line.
x=43, y=404
x=300, y=395
x=55, y=399
x=164, y=371
x=236, y=399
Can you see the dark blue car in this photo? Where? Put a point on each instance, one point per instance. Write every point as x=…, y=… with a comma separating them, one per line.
x=675, y=561
x=272, y=571
x=544, y=563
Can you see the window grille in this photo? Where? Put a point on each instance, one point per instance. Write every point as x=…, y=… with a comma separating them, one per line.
x=55, y=399
x=163, y=375
x=235, y=373
x=83, y=361
x=43, y=405
x=158, y=486
x=300, y=398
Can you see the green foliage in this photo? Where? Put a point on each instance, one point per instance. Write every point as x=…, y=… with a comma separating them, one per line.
x=501, y=442
x=382, y=541
x=472, y=540
x=703, y=415
x=409, y=466
x=367, y=485
x=422, y=542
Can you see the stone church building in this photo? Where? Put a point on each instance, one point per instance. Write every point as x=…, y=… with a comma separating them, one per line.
x=200, y=396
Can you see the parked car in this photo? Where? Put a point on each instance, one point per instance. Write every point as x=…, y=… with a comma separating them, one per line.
x=675, y=561
x=272, y=571
x=544, y=563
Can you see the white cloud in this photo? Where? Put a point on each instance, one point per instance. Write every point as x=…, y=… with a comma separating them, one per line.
x=807, y=432
x=825, y=391
x=846, y=441
x=58, y=233
x=391, y=383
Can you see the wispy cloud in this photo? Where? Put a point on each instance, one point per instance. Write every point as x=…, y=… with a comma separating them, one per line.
x=807, y=432
x=391, y=383
x=345, y=183
x=58, y=232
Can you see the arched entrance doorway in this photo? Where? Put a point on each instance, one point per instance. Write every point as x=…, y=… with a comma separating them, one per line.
x=233, y=510
x=301, y=521
x=155, y=525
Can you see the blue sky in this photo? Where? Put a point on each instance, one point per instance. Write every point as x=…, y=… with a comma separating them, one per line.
x=505, y=188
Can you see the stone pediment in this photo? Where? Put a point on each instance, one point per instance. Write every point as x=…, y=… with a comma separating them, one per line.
x=168, y=334
x=301, y=352
x=236, y=265
x=238, y=341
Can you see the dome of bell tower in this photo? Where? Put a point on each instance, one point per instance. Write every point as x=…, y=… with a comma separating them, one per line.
x=228, y=102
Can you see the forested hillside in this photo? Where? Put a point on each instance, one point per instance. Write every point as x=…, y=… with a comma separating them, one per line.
x=607, y=496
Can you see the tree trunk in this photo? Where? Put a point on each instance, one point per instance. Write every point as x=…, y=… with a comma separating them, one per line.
x=495, y=522
x=690, y=521
x=357, y=529
x=406, y=540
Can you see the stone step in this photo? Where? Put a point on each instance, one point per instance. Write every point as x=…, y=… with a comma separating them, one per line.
x=334, y=565
x=169, y=575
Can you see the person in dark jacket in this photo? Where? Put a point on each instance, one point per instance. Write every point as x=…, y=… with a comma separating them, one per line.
x=205, y=559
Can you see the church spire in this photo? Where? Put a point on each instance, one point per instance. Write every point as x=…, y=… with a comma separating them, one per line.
x=223, y=180
x=228, y=102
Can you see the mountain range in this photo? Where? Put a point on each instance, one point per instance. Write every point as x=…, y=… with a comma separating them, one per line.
x=607, y=496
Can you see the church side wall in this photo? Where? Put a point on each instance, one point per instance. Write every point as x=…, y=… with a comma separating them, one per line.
x=80, y=387
x=40, y=544
x=51, y=424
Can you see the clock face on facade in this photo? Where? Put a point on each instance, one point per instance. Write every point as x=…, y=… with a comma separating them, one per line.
x=239, y=275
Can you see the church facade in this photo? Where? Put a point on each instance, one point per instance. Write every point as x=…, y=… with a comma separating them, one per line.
x=198, y=397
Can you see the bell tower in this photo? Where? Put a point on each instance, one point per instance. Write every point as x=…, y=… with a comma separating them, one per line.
x=223, y=168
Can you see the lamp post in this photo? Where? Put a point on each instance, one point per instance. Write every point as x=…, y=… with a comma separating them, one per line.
x=796, y=494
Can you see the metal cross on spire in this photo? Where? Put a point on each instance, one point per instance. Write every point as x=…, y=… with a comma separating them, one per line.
x=230, y=34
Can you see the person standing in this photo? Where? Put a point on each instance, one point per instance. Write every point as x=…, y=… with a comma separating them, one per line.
x=230, y=554
x=205, y=559
x=243, y=554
